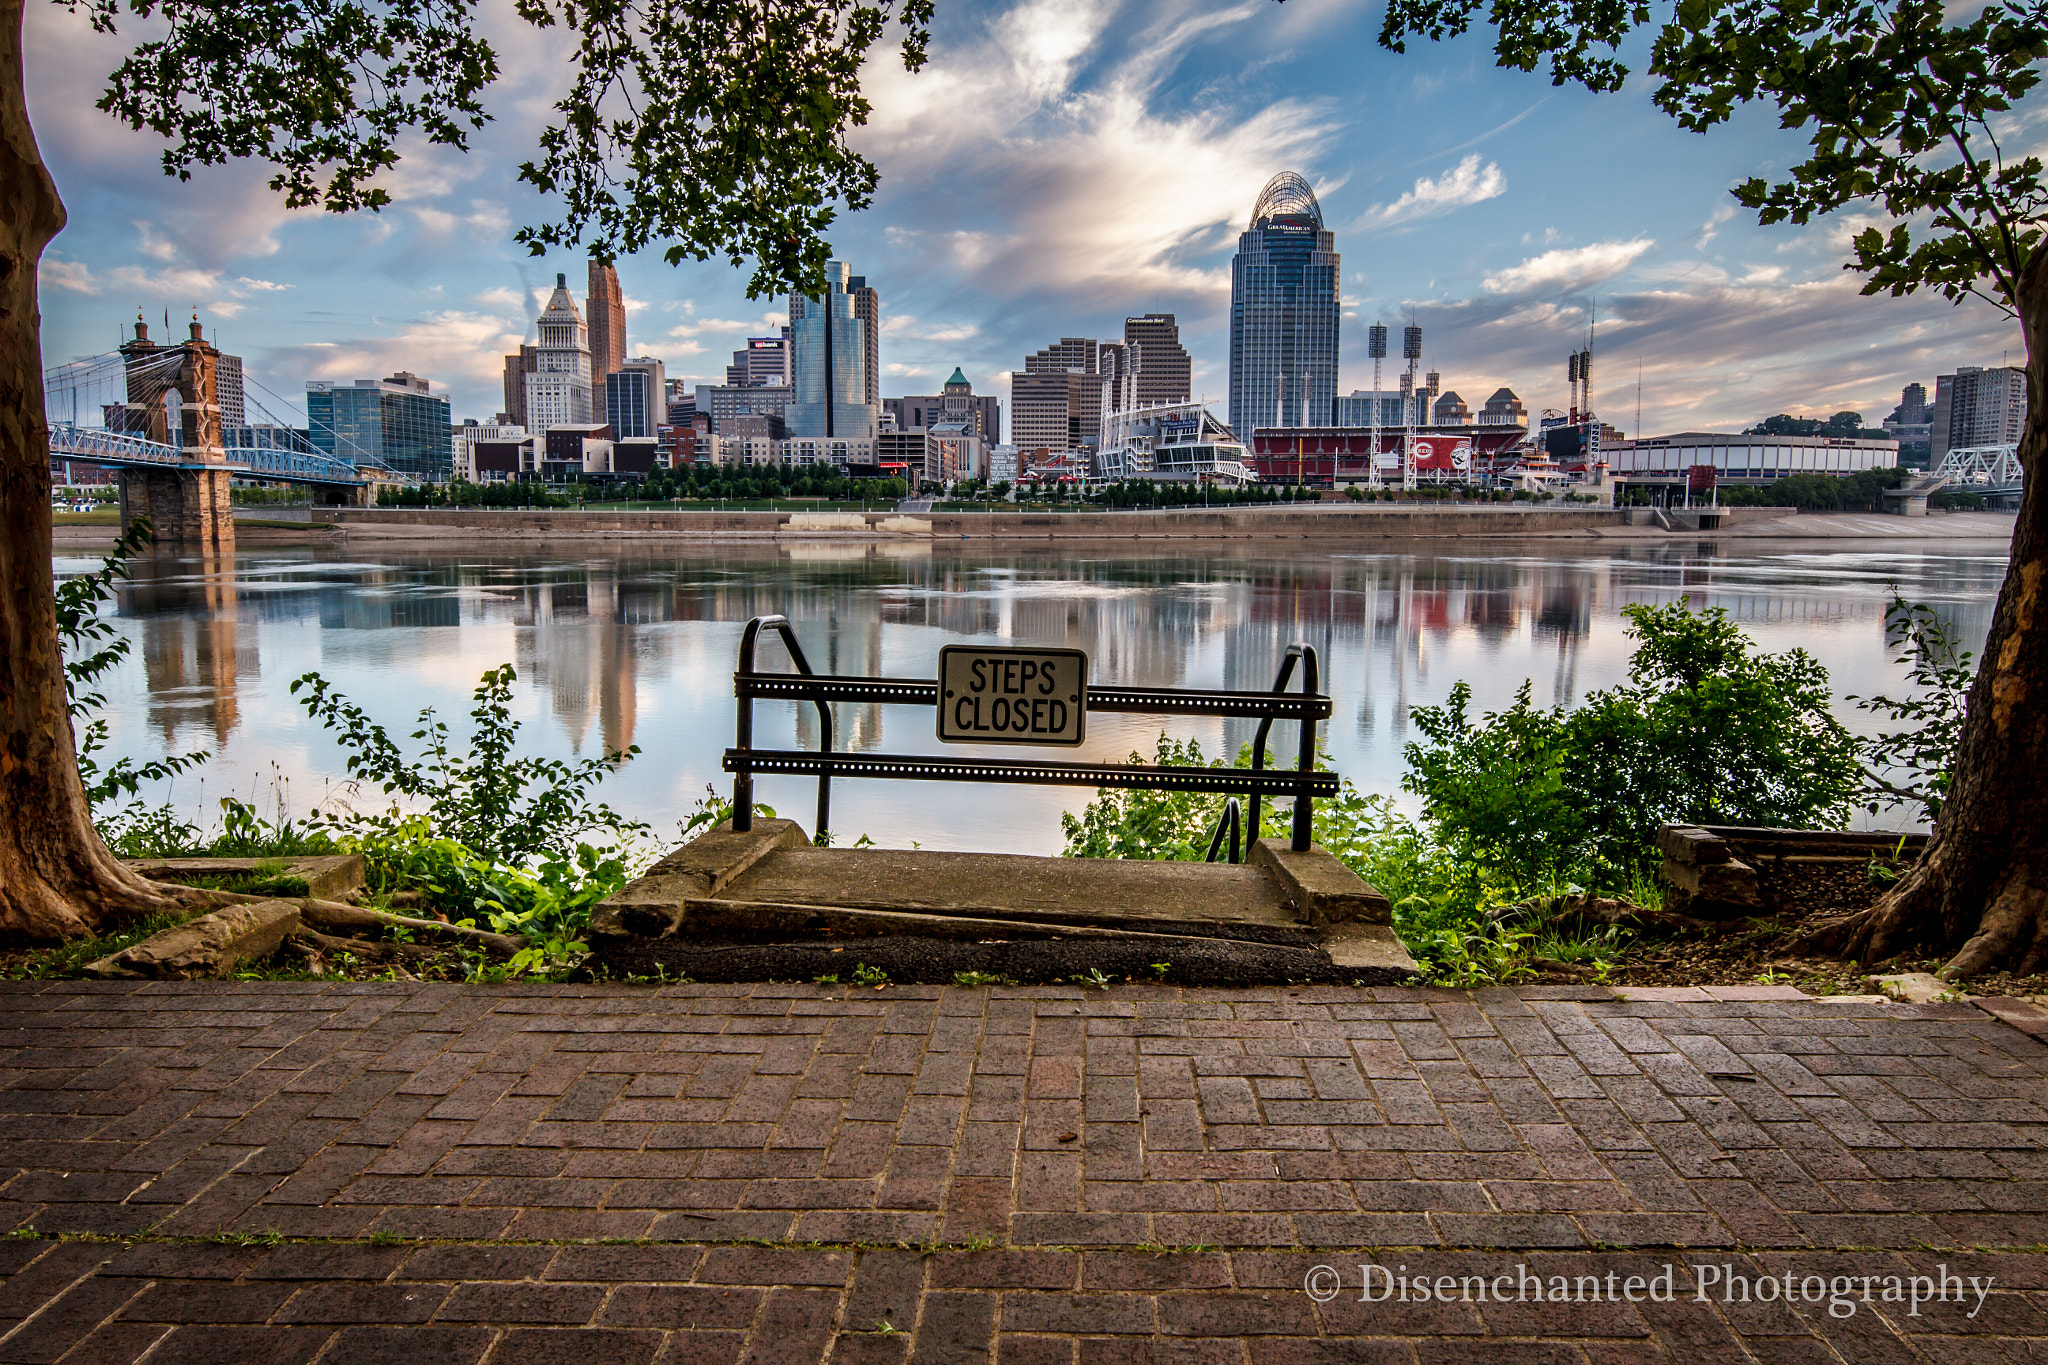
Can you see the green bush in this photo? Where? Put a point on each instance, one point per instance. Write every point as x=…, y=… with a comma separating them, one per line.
x=503, y=808
x=1910, y=767
x=1710, y=732
x=1526, y=804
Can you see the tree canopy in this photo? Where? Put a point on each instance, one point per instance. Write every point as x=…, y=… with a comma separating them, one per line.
x=703, y=126
x=1902, y=109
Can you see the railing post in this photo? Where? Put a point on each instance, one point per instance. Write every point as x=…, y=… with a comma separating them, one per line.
x=1259, y=739
x=743, y=739
x=803, y=666
x=1304, y=802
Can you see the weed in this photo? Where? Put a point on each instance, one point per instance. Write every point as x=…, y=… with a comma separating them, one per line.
x=269, y=1238
x=1160, y=969
x=979, y=1242
x=864, y=975
x=385, y=1237
x=25, y=1233
x=1094, y=977
x=966, y=979
x=826, y=979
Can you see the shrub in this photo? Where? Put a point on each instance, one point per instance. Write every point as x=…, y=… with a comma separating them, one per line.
x=1710, y=732
x=505, y=809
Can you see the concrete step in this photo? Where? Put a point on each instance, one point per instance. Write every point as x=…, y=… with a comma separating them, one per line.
x=769, y=884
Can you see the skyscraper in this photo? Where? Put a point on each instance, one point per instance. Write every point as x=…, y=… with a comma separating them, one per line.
x=1163, y=372
x=765, y=360
x=1283, y=313
x=1118, y=362
x=606, y=307
x=1056, y=399
x=867, y=306
x=828, y=362
x=517, y=367
x=558, y=391
x=1978, y=407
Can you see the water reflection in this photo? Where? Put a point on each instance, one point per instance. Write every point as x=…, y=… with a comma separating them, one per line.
x=637, y=646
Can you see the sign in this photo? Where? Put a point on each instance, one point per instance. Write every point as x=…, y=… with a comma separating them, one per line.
x=998, y=695
x=1700, y=478
x=1444, y=454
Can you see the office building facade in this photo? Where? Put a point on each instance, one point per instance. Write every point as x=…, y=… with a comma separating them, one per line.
x=397, y=422
x=605, y=306
x=1912, y=426
x=867, y=310
x=1163, y=371
x=982, y=412
x=763, y=360
x=1056, y=399
x=828, y=361
x=1284, y=307
x=558, y=388
x=722, y=404
x=1977, y=407
x=633, y=401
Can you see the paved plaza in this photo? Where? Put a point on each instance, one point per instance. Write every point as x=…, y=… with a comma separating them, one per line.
x=284, y=1172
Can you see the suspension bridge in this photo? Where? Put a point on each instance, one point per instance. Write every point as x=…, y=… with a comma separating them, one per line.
x=154, y=413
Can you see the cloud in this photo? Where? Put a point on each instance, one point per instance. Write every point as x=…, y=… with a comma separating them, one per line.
x=501, y=299
x=1466, y=183
x=71, y=276
x=1716, y=354
x=1712, y=227
x=1567, y=270
x=1026, y=128
x=261, y=286
x=449, y=348
x=905, y=327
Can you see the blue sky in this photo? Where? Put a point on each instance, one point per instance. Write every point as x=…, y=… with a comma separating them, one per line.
x=1059, y=164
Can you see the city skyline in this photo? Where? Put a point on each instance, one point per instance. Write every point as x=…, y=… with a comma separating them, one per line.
x=1494, y=210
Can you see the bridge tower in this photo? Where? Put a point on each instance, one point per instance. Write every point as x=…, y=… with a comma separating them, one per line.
x=174, y=397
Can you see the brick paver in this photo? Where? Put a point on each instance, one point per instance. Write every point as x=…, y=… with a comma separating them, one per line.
x=296, y=1171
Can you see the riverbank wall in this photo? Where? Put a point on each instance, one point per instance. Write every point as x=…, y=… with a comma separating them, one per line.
x=1311, y=522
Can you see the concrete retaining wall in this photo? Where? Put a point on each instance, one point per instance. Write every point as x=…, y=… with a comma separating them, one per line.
x=1325, y=521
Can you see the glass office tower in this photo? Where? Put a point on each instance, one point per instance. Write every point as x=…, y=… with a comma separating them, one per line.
x=396, y=422
x=1283, y=313
x=828, y=362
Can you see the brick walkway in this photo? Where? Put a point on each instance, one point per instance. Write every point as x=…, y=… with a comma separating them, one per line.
x=1024, y=1175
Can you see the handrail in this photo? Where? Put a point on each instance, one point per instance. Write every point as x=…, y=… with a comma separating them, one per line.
x=743, y=783
x=1141, y=700
x=1228, y=820
x=1309, y=676
x=1305, y=708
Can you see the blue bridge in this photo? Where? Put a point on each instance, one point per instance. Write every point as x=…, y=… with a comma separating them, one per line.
x=121, y=450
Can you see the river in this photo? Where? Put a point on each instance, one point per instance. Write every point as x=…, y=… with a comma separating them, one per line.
x=632, y=646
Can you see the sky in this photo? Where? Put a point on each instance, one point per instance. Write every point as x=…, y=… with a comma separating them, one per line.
x=1058, y=165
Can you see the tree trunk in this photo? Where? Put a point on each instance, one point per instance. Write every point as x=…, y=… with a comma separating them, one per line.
x=1980, y=892
x=56, y=877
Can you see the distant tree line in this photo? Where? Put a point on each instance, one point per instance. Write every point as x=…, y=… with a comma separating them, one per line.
x=1859, y=492
x=1841, y=426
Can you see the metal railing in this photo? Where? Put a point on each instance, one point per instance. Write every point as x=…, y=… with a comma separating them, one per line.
x=71, y=442
x=1303, y=782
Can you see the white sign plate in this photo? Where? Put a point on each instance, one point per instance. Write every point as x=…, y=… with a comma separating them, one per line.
x=997, y=695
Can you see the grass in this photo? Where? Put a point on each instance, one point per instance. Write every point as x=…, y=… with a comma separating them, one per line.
x=68, y=959
x=268, y=878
